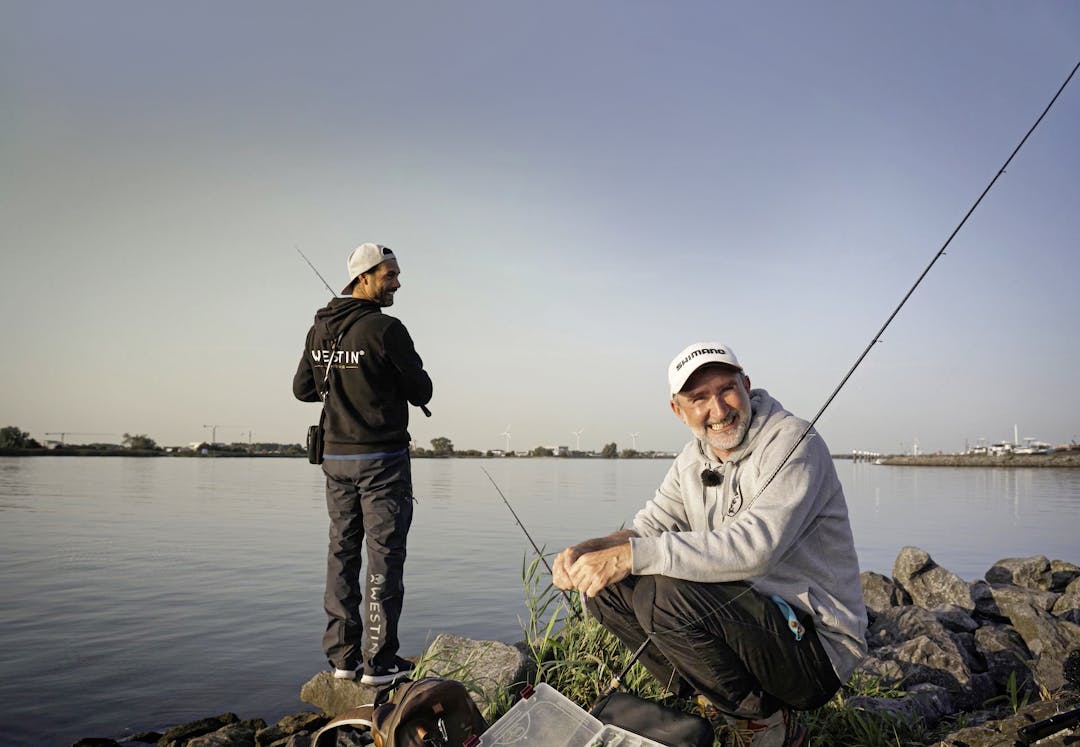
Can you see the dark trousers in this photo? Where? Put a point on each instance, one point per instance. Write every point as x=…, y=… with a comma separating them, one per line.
x=725, y=641
x=366, y=498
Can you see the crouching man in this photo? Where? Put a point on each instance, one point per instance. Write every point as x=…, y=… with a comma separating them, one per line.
x=746, y=582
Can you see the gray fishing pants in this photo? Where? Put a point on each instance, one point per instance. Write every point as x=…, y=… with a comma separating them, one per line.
x=724, y=640
x=368, y=497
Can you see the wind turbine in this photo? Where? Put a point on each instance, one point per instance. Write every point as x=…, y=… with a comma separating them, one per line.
x=507, y=434
x=577, y=437
x=634, y=437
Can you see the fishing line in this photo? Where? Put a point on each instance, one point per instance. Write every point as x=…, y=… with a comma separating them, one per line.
x=873, y=341
x=617, y=679
x=539, y=554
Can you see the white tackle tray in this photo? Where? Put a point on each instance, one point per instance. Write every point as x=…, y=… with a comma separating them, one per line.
x=547, y=718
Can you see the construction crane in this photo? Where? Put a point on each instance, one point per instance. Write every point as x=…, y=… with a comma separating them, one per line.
x=65, y=434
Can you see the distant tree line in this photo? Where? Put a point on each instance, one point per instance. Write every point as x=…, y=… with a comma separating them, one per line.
x=442, y=446
x=12, y=437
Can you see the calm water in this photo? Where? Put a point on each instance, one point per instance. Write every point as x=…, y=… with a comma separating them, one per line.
x=143, y=593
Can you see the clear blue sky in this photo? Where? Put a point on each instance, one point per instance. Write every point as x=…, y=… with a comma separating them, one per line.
x=575, y=192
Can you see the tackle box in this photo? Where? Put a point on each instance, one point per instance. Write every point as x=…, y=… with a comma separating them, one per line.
x=547, y=718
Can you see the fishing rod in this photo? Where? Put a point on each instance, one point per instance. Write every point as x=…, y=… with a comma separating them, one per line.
x=332, y=293
x=616, y=681
x=940, y=253
x=528, y=536
x=423, y=408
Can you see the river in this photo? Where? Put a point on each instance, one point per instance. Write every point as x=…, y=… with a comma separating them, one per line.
x=140, y=593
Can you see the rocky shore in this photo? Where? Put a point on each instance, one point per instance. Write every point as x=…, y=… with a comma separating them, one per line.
x=1056, y=459
x=987, y=656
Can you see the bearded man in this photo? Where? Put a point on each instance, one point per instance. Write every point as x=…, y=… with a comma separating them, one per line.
x=741, y=570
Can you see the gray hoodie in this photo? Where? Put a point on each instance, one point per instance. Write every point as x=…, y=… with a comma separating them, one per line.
x=794, y=540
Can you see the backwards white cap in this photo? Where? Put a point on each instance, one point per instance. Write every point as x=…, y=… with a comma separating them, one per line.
x=363, y=258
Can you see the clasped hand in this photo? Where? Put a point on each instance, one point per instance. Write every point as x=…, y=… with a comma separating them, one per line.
x=590, y=566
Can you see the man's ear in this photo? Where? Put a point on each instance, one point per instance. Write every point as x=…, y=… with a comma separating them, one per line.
x=676, y=409
x=746, y=383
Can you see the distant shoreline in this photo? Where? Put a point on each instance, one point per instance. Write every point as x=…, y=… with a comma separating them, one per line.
x=1063, y=459
x=1057, y=459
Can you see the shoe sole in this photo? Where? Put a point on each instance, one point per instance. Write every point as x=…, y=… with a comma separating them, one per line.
x=344, y=674
x=385, y=679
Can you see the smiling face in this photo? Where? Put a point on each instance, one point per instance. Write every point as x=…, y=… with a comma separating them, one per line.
x=715, y=405
x=379, y=284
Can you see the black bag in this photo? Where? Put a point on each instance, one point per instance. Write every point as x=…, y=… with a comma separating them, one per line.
x=428, y=711
x=654, y=721
x=315, y=443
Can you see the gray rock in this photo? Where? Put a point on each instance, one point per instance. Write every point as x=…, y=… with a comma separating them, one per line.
x=1030, y=573
x=333, y=696
x=486, y=667
x=233, y=735
x=1003, y=732
x=1050, y=640
x=885, y=671
x=938, y=662
x=1005, y=654
x=995, y=600
x=289, y=725
x=1067, y=605
x=898, y=624
x=178, y=736
x=926, y=703
x=929, y=584
x=878, y=592
x=1062, y=574
x=956, y=619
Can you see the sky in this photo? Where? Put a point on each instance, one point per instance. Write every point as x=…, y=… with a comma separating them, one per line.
x=574, y=191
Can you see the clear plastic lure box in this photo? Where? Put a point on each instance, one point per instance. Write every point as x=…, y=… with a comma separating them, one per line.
x=547, y=718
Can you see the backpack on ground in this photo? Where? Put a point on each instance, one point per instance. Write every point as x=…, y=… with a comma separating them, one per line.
x=428, y=712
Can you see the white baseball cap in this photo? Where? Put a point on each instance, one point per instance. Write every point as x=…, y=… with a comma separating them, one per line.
x=694, y=357
x=363, y=258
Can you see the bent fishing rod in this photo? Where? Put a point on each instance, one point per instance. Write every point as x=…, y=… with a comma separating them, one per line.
x=616, y=681
x=539, y=554
x=423, y=408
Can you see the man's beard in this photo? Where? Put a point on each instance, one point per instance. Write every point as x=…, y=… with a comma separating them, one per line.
x=726, y=440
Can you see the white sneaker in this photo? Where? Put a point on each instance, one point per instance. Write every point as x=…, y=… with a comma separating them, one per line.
x=346, y=674
x=399, y=670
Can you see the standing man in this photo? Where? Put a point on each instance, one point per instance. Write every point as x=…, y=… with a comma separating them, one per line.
x=742, y=568
x=365, y=364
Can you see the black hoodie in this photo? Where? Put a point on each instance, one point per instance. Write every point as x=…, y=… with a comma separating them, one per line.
x=376, y=372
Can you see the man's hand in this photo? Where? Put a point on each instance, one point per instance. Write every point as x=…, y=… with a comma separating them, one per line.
x=590, y=566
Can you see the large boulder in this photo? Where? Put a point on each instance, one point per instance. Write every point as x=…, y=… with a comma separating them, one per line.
x=995, y=600
x=927, y=652
x=928, y=584
x=333, y=696
x=879, y=592
x=1048, y=638
x=240, y=734
x=1005, y=654
x=1067, y=606
x=287, y=726
x=1062, y=574
x=486, y=667
x=922, y=703
x=179, y=736
x=1030, y=573
x=1003, y=733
